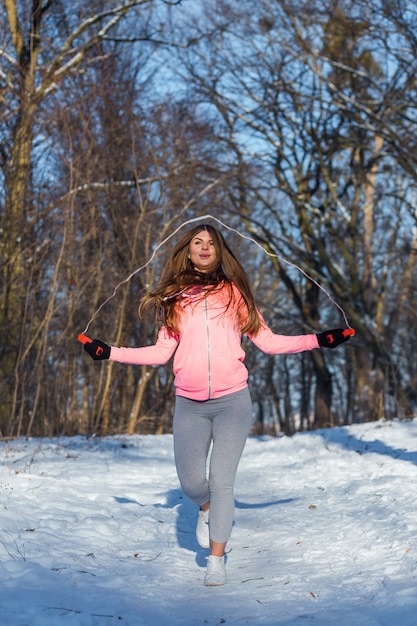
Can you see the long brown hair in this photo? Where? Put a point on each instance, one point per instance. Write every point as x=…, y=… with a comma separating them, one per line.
x=179, y=275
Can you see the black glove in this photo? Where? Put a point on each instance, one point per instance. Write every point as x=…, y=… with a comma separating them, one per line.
x=98, y=350
x=333, y=338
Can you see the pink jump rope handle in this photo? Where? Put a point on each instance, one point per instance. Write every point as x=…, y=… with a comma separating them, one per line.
x=84, y=339
x=349, y=332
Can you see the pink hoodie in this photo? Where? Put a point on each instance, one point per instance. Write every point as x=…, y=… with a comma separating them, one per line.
x=208, y=360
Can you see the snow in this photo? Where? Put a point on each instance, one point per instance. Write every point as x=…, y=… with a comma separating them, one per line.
x=96, y=532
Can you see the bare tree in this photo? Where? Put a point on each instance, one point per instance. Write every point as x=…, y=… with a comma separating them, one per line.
x=312, y=106
x=45, y=45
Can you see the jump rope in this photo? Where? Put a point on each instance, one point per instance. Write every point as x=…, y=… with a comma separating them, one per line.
x=83, y=338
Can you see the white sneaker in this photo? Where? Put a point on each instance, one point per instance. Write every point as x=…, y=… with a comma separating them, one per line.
x=216, y=572
x=202, y=530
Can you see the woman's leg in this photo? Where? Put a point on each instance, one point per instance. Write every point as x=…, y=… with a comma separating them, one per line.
x=232, y=419
x=192, y=438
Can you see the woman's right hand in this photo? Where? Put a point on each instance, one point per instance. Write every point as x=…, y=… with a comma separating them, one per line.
x=97, y=349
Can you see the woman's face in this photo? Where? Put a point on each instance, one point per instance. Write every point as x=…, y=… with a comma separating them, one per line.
x=202, y=253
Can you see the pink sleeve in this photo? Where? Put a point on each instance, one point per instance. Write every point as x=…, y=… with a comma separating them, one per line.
x=270, y=343
x=157, y=354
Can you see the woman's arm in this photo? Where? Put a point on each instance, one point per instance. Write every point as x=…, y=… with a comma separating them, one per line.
x=157, y=354
x=272, y=343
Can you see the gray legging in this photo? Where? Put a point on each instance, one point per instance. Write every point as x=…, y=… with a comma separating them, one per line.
x=226, y=422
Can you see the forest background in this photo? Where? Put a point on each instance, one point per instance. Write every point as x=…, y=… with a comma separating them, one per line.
x=291, y=122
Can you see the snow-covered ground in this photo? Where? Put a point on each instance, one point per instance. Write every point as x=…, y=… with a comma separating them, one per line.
x=96, y=532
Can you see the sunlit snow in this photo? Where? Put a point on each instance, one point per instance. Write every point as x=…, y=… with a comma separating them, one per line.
x=96, y=532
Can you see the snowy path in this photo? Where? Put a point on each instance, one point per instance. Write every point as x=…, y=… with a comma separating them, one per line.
x=97, y=533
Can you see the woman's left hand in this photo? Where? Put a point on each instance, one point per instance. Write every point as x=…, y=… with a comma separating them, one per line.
x=333, y=338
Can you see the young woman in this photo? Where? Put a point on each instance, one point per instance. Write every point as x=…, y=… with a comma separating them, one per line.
x=205, y=304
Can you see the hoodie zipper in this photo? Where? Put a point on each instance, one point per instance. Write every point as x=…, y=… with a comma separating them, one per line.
x=208, y=349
